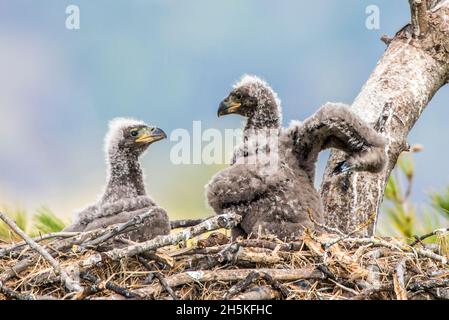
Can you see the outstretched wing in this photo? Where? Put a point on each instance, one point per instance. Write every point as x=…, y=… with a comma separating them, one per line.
x=335, y=126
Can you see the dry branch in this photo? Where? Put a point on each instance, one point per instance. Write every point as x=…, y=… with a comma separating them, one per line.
x=186, y=223
x=230, y=276
x=223, y=221
x=11, y=294
x=133, y=224
x=399, y=280
x=68, y=282
x=81, y=238
x=251, y=278
x=160, y=277
x=428, y=235
x=259, y=293
x=16, y=246
x=356, y=268
x=99, y=286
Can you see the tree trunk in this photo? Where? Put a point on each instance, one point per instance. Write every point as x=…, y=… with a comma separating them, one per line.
x=413, y=68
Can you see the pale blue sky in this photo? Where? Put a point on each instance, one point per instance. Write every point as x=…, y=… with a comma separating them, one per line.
x=170, y=62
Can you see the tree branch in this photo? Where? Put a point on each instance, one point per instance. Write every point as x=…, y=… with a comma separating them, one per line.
x=259, y=293
x=68, y=282
x=16, y=246
x=420, y=23
x=175, y=224
x=411, y=71
x=230, y=275
x=227, y=221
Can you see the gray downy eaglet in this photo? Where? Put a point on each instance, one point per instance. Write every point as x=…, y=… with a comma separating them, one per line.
x=270, y=182
x=124, y=195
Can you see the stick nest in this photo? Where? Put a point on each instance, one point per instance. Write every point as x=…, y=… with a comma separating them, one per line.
x=210, y=266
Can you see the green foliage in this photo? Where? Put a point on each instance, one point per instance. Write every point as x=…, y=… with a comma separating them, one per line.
x=400, y=216
x=21, y=219
x=43, y=221
x=402, y=220
x=441, y=202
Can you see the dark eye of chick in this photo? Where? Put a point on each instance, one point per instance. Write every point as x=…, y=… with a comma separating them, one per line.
x=238, y=96
x=134, y=133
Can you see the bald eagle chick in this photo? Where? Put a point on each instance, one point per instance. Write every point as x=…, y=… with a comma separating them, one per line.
x=270, y=182
x=125, y=195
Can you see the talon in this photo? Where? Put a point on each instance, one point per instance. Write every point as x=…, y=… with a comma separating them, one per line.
x=341, y=167
x=346, y=183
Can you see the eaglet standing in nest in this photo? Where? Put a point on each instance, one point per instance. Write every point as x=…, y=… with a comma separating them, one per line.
x=124, y=196
x=270, y=182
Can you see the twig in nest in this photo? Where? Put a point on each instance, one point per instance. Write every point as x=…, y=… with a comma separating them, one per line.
x=163, y=259
x=17, y=246
x=16, y=269
x=253, y=276
x=223, y=221
x=228, y=254
x=372, y=291
x=186, y=223
x=323, y=226
x=259, y=293
x=214, y=239
x=399, y=280
x=99, y=286
x=428, y=285
x=11, y=294
x=339, y=282
x=420, y=19
x=71, y=285
x=118, y=229
x=428, y=235
x=386, y=39
x=160, y=277
x=362, y=226
x=59, y=246
x=233, y=254
x=257, y=243
x=189, y=277
x=378, y=242
x=246, y=243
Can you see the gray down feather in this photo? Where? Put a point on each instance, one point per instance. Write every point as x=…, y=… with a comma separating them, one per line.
x=270, y=182
x=125, y=196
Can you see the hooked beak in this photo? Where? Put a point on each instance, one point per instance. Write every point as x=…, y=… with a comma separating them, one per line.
x=151, y=135
x=228, y=107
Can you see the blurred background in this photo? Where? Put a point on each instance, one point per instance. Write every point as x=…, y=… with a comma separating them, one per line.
x=168, y=63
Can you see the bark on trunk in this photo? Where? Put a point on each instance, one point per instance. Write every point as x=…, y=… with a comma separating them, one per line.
x=413, y=68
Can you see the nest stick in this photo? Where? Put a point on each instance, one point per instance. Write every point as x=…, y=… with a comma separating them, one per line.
x=18, y=245
x=428, y=235
x=160, y=277
x=378, y=242
x=224, y=221
x=118, y=229
x=175, y=224
x=99, y=286
x=259, y=293
x=68, y=282
x=11, y=294
x=231, y=275
x=251, y=278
